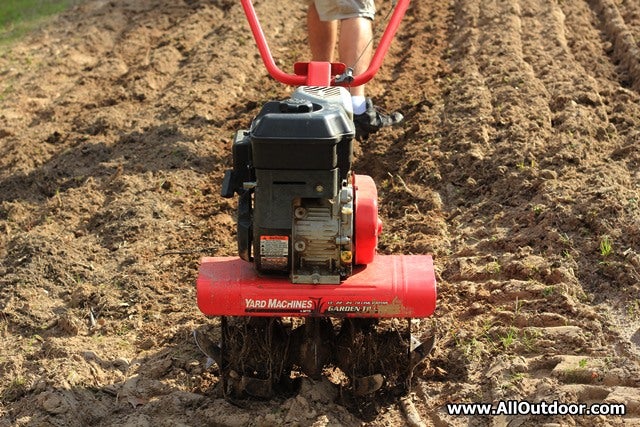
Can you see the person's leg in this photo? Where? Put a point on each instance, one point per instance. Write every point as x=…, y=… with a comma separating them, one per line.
x=322, y=35
x=356, y=48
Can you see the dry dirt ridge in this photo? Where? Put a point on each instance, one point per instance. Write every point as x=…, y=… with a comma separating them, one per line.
x=518, y=167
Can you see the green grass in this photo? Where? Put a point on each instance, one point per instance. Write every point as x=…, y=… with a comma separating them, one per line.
x=18, y=17
x=606, y=246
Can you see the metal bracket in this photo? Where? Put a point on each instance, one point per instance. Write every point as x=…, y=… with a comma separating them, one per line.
x=346, y=77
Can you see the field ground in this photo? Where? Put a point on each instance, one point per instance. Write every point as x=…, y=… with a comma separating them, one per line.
x=517, y=166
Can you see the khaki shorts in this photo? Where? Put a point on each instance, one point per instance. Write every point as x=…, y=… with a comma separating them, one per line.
x=330, y=10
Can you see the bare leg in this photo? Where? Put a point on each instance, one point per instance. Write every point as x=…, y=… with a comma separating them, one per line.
x=354, y=47
x=355, y=51
x=322, y=36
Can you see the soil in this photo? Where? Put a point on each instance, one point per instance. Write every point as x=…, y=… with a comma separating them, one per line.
x=517, y=166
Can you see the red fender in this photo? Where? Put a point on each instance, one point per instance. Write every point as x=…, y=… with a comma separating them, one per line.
x=367, y=224
x=390, y=286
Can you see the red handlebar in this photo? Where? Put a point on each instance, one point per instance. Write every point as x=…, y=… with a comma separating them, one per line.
x=298, y=80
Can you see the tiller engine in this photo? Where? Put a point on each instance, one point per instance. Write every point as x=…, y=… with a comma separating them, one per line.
x=308, y=289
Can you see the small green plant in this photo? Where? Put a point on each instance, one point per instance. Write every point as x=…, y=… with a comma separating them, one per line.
x=518, y=306
x=16, y=388
x=538, y=209
x=493, y=267
x=518, y=377
x=472, y=349
x=522, y=165
x=487, y=324
x=6, y=90
x=606, y=246
x=508, y=340
x=582, y=363
x=633, y=309
x=565, y=239
x=583, y=296
x=529, y=339
x=513, y=382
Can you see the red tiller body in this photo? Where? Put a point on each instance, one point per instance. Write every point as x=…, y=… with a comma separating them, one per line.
x=390, y=286
x=380, y=286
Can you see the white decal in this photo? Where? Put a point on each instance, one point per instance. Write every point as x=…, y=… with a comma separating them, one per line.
x=278, y=304
x=255, y=303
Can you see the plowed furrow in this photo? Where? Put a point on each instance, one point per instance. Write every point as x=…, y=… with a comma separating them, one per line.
x=533, y=99
x=625, y=50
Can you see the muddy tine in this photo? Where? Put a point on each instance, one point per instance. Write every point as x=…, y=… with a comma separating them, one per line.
x=256, y=387
x=208, y=347
x=420, y=350
x=367, y=385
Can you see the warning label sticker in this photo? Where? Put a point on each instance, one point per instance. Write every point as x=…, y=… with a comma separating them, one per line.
x=274, y=252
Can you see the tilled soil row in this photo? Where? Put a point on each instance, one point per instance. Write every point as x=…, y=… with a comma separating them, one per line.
x=516, y=167
x=623, y=38
x=540, y=175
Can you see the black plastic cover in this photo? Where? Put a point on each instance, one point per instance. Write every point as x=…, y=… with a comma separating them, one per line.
x=286, y=135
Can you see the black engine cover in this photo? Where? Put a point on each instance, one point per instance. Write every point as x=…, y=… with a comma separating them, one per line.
x=295, y=149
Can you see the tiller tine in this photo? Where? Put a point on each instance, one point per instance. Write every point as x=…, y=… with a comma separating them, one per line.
x=208, y=347
x=367, y=385
x=256, y=387
x=420, y=350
